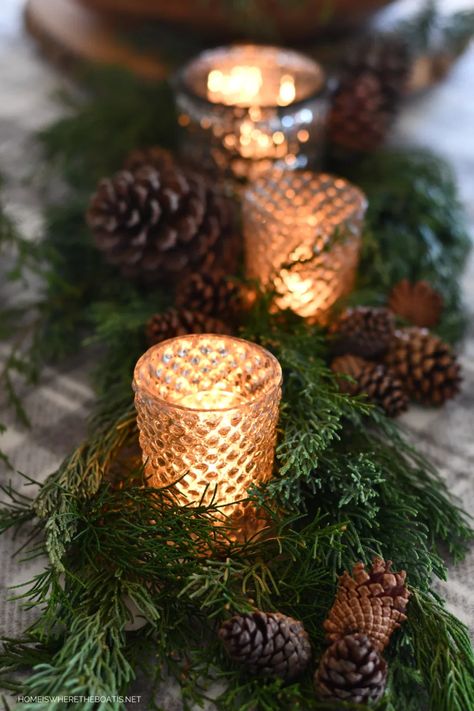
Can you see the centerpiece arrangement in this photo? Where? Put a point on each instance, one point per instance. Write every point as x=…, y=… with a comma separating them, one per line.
x=247, y=518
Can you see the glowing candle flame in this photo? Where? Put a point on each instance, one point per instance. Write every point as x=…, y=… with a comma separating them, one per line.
x=239, y=86
x=287, y=90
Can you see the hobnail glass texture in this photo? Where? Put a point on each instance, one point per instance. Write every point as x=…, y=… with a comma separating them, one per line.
x=302, y=233
x=207, y=412
x=245, y=133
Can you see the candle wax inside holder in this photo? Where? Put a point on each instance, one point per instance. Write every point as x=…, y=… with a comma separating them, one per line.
x=302, y=234
x=247, y=107
x=207, y=411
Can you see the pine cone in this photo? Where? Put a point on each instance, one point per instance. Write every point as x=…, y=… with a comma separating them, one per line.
x=352, y=670
x=155, y=221
x=210, y=293
x=267, y=643
x=366, y=102
x=154, y=156
x=374, y=380
x=372, y=603
x=387, y=56
x=417, y=303
x=180, y=322
x=427, y=366
x=360, y=116
x=364, y=331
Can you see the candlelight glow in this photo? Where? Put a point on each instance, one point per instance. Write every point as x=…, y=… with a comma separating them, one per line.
x=207, y=411
x=211, y=400
x=302, y=238
x=287, y=91
x=248, y=106
x=239, y=86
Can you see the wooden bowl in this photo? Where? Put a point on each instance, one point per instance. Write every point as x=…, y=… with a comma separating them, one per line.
x=298, y=21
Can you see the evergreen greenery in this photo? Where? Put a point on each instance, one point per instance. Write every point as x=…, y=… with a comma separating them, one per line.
x=347, y=484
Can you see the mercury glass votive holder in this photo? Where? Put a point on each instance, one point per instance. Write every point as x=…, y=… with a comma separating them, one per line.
x=302, y=235
x=207, y=412
x=246, y=107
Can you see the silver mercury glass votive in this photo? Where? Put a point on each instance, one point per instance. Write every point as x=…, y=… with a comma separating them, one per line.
x=246, y=107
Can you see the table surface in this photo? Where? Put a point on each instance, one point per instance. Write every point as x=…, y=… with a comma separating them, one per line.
x=442, y=120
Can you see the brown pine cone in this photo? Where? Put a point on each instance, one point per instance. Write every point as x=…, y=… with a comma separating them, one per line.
x=417, y=303
x=427, y=366
x=267, y=643
x=385, y=55
x=156, y=221
x=211, y=293
x=154, y=156
x=364, y=331
x=360, y=116
x=372, y=603
x=365, y=104
x=180, y=322
x=376, y=381
x=352, y=670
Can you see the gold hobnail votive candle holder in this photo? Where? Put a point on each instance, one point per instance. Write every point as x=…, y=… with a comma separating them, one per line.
x=302, y=236
x=207, y=410
x=247, y=107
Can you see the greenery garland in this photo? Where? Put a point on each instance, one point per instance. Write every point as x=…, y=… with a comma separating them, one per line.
x=348, y=484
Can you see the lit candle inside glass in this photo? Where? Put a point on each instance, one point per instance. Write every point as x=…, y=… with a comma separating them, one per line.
x=302, y=235
x=249, y=106
x=207, y=411
x=211, y=400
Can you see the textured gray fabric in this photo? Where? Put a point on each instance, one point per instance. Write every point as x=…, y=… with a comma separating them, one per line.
x=443, y=119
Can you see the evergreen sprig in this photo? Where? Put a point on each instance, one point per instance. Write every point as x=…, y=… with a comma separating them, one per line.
x=347, y=485
x=415, y=229
x=115, y=541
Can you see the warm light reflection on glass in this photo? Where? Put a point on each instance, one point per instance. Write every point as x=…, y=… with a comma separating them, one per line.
x=302, y=238
x=207, y=409
x=287, y=91
x=240, y=86
x=256, y=105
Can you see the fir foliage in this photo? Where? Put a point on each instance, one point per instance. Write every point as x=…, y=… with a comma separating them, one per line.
x=415, y=229
x=114, y=541
x=431, y=31
x=347, y=485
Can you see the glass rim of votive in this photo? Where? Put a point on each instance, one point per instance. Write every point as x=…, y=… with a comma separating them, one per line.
x=182, y=77
x=276, y=383
x=253, y=194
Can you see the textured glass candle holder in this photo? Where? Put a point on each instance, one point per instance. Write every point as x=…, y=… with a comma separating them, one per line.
x=302, y=234
x=207, y=412
x=246, y=107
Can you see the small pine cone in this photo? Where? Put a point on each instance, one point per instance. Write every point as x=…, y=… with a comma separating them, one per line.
x=157, y=220
x=360, y=116
x=267, y=643
x=427, y=366
x=417, y=303
x=210, y=293
x=351, y=670
x=376, y=381
x=385, y=55
x=365, y=104
x=154, y=156
x=180, y=322
x=372, y=603
x=364, y=331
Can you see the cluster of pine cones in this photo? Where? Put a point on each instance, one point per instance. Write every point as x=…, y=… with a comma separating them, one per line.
x=369, y=607
x=157, y=219
x=392, y=365
x=163, y=224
